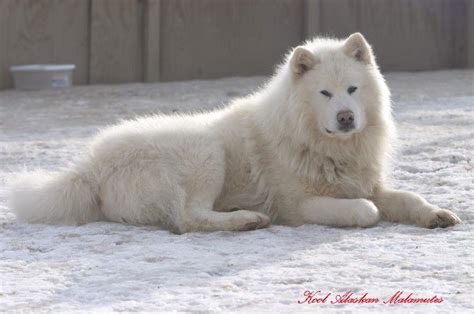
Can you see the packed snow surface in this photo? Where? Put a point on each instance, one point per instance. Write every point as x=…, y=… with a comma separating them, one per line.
x=109, y=266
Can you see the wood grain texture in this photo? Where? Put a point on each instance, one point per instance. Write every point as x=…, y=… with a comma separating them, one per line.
x=151, y=39
x=43, y=31
x=459, y=33
x=5, y=81
x=470, y=34
x=312, y=18
x=214, y=38
x=116, y=49
x=406, y=35
x=118, y=41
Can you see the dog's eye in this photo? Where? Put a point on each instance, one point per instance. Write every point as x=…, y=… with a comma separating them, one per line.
x=351, y=89
x=326, y=93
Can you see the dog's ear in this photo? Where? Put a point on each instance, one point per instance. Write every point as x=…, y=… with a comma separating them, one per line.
x=357, y=47
x=302, y=60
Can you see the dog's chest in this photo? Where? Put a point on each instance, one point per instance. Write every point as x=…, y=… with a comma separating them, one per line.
x=339, y=178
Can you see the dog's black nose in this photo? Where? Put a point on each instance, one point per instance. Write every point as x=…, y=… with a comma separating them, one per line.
x=345, y=119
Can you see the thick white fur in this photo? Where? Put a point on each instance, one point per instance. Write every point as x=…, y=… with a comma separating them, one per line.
x=276, y=155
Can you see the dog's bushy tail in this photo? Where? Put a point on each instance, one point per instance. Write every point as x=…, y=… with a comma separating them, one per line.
x=66, y=197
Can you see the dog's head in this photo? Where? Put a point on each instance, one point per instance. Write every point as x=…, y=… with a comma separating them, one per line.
x=339, y=83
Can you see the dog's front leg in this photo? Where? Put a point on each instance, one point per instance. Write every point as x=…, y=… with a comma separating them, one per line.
x=410, y=208
x=333, y=212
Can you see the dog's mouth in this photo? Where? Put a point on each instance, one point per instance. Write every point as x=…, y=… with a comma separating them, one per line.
x=347, y=129
x=341, y=131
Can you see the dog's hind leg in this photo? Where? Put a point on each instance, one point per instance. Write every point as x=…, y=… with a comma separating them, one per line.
x=198, y=212
x=200, y=217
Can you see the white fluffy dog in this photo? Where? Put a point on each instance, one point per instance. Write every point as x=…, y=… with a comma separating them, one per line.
x=308, y=148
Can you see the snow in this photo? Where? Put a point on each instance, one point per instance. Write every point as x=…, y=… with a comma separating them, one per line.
x=114, y=267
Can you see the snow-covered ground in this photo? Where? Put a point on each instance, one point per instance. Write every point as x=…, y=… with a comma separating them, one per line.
x=107, y=266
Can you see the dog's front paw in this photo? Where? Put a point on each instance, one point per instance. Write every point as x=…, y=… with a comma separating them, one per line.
x=440, y=218
x=366, y=213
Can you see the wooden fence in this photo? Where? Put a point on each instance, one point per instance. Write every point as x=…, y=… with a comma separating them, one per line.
x=117, y=41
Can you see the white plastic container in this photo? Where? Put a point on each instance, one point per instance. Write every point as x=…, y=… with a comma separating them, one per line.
x=42, y=76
